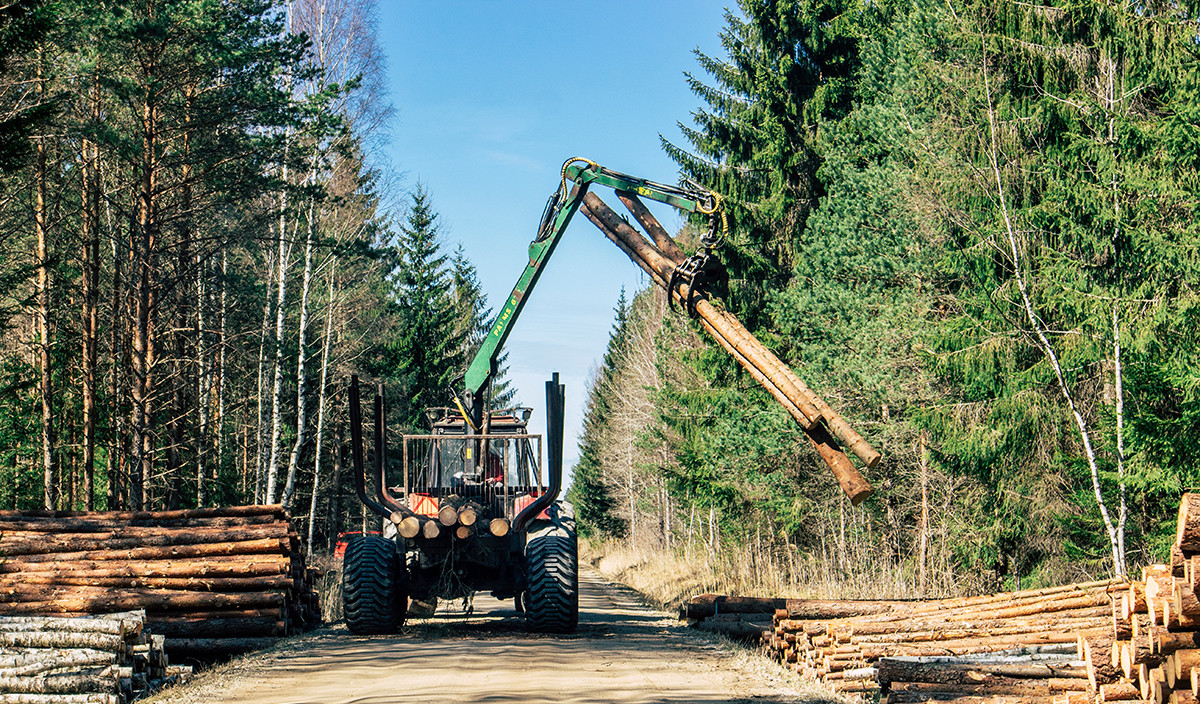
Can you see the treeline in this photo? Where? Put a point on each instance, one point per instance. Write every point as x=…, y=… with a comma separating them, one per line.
x=197, y=250
x=972, y=227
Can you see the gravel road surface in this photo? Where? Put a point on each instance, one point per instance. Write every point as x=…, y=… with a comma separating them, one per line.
x=622, y=652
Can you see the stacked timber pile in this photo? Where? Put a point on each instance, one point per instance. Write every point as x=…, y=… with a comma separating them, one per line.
x=1153, y=651
x=110, y=659
x=215, y=581
x=1034, y=624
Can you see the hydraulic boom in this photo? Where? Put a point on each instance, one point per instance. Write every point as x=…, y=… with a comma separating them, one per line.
x=685, y=278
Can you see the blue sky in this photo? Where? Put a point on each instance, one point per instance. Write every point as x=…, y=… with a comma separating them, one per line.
x=491, y=98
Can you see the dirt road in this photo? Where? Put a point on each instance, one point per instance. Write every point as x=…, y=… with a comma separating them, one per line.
x=623, y=652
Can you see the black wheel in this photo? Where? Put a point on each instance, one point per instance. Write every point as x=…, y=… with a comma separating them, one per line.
x=552, y=569
x=374, y=593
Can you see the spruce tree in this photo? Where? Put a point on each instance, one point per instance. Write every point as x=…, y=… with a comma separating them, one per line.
x=475, y=319
x=594, y=503
x=427, y=349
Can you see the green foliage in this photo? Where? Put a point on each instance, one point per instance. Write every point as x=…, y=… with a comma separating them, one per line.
x=876, y=158
x=427, y=351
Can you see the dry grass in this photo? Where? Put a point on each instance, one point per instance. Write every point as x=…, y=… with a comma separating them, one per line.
x=329, y=588
x=670, y=577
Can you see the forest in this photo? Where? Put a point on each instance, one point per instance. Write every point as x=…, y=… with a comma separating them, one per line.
x=198, y=247
x=970, y=226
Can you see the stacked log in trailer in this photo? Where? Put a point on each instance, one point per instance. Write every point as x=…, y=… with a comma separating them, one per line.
x=214, y=581
x=109, y=659
x=1117, y=640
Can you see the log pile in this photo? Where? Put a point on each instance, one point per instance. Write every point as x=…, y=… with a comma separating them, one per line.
x=1117, y=640
x=109, y=659
x=1153, y=651
x=214, y=581
x=844, y=647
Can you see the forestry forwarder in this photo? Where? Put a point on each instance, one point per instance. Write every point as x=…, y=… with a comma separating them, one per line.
x=475, y=508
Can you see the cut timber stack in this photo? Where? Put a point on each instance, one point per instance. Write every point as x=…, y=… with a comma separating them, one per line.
x=843, y=649
x=1116, y=640
x=215, y=581
x=110, y=659
x=1153, y=652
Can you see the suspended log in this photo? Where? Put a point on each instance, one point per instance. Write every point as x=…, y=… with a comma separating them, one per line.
x=667, y=247
x=751, y=353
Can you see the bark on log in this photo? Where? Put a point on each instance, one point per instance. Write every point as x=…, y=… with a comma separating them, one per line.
x=15, y=698
x=834, y=609
x=218, y=566
x=213, y=512
x=1119, y=691
x=1187, y=525
x=58, y=684
x=201, y=584
x=1097, y=655
x=265, y=546
x=16, y=545
x=111, y=600
x=705, y=605
x=183, y=627
x=1168, y=642
x=61, y=639
x=217, y=646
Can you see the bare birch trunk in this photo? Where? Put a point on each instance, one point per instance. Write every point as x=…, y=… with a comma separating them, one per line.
x=924, y=535
x=260, y=436
x=312, y=506
x=205, y=383
x=289, y=487
x=1040, y=333
x=273, y=467
x=221, y=370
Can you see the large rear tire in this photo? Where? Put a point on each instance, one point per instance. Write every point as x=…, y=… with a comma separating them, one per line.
x=374, y=587
x=552, y=569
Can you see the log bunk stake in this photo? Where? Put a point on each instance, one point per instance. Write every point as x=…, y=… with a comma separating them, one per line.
x=1117, y=640
x=213, y=581
x=106, y=659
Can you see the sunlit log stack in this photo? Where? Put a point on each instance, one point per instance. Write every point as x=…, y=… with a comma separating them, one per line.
x=1105, y=641
x=1153, y=652
x=213, y=580
x=109, y=659
x=1039, y=626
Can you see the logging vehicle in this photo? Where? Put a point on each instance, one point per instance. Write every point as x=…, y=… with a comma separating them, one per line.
x=473, y=505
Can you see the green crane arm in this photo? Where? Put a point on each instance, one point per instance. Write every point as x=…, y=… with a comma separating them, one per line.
x=559, y=211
